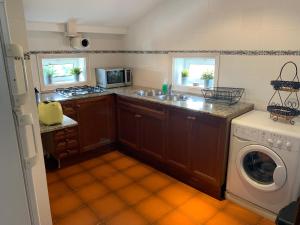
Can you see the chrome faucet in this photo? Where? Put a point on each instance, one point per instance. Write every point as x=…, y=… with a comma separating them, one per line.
x=170, y=92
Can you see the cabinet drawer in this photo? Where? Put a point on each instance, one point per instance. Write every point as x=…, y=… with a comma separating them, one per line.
x=59, y=135
x=141, y=104
x=71, y=132
x=62, y=155
x=72, y=143
x=72, y=151
x=61, y=146
x=142, y=109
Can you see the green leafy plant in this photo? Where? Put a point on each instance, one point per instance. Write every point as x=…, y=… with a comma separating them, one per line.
x=208, y=75
x=76, y=71
x=49, y=71
x=185, y=73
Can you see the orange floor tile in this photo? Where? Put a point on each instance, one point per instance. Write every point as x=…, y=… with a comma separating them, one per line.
x=115, y=189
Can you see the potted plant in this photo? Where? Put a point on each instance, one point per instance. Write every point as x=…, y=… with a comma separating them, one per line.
x=207, y=77
x=76, y=71
x=49, y=72
x=184, y=76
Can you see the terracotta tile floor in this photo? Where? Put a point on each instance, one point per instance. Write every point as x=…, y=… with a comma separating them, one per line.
x=115, y=189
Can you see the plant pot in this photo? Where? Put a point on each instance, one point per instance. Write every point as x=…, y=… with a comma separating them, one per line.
x=207, y=83
x=49, y=79
x=184, y=80
x=77, y=77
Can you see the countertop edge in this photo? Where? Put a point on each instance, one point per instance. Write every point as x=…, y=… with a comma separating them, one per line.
x=244, y=107
x=67, y=122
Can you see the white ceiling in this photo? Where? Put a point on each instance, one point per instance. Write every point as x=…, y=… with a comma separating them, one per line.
x=121, y=13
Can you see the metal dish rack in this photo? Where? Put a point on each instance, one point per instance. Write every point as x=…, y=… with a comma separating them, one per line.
x=226, y=95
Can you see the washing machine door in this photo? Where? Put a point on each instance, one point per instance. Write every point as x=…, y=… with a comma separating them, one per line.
x=261, y=167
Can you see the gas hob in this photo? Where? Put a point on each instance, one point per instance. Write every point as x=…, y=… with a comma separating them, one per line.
x=79, y=90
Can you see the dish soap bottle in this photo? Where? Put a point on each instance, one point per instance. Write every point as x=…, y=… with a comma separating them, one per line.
x=164, y=88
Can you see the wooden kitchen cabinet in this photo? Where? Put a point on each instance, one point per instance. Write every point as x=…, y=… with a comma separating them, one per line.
x=191, y=146
x=62, y=144
x=69, y=109
x=208, y=149
x=128, y=126
x=177, y=152
x=141, y=127
x=152, y=133
x=198, y=144
x=96, y=118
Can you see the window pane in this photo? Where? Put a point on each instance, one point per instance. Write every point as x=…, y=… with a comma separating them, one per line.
x=189, y=71
x=58, y=71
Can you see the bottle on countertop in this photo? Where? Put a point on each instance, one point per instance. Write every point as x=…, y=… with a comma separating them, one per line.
x=164, y=88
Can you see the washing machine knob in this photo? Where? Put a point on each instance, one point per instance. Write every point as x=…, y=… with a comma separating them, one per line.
x=279, y=143
x=288, y=145
x=270, y=141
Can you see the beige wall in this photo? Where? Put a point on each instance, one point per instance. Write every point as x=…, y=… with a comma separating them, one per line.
x=47, y=41
x=201, y=25
x=40, y=40
x=218, y=25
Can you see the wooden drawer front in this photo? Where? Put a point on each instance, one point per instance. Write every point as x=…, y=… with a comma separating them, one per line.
x=72, y=143
x=143, y=109
x=73, y=151
x=59, y=135
x=142, y=104
x=71, y=132
x=61, y=146
x=62, y=155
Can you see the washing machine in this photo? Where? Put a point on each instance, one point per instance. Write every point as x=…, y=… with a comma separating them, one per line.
x=264, y=163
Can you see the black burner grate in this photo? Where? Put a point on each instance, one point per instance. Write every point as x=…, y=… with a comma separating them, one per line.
x=79, y=90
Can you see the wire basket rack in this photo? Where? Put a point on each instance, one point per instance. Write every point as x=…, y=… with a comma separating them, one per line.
x=226, y=95
x=285, y=108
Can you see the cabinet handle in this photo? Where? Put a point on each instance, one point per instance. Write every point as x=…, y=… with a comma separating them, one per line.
x=191, y=118
x=137, y=116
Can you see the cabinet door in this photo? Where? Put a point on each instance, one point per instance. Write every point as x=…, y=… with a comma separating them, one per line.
x=207, y=148
x=69, y=109
x=128, y=126
x=177, y=152
x=152, y=134
x=96, y=122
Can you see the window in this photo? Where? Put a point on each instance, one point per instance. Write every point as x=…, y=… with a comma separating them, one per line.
x=193, y=72
x=62, y=71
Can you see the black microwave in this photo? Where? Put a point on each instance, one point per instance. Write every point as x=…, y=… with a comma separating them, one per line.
x=113, y=77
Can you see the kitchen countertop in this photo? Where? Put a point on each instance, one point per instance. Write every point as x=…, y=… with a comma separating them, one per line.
x=194, y=102
x=67, y=122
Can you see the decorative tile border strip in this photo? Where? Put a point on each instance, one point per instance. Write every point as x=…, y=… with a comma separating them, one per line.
x=165, y=52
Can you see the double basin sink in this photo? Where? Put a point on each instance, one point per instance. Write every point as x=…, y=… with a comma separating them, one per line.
x=157, y=94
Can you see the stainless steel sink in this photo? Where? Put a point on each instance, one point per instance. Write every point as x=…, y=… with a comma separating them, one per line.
x=174, y=98
x=149, y=93
x=157, y=94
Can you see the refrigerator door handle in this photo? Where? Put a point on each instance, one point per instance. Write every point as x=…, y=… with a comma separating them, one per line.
x=27, y=120
x=16, y=52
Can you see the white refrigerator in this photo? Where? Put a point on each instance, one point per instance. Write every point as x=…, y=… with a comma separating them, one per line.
x=23, y=187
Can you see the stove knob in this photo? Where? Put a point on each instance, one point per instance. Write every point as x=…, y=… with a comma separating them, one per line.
x=279, y=143
x=270, y=141
x=288, y=145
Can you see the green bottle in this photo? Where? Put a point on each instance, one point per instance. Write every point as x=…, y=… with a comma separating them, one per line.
x=164, y=88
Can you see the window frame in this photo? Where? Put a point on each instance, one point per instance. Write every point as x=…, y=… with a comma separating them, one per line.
x=46, y=87
x=193, y=89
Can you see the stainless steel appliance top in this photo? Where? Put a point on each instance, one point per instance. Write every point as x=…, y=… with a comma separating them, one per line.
x=79, y=90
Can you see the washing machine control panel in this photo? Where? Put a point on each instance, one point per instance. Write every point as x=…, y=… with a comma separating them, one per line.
x=267, y=138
